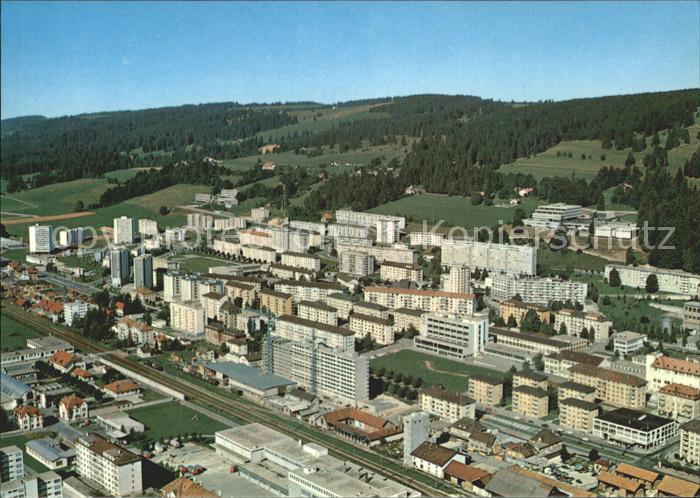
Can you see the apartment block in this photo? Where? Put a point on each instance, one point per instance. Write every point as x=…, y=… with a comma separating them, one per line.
x=572, y=390
x=124, y=230
x=426, y=239
x=486, y=390
x=445, y=404
x=452, y=335
x=397, y=253
x=530, y=401
x=148, y=227
x=690, y=441
x=347, y=217
x=277, y=303
x=457, y=279
x=427, y=300
x=11, y=463
x=226, y=247
x=634, y=428
x=246, y=291
x=317, y=311
x=342, y=303
x=111, y=466
x=405, y=318
x=691, y=315
x=512, y=259
x=536, y=343
x=394, y=272
x=252, y=237
x=371, y=309
x=143, y=272
x=119, y=266
x=614, y=388
x=672, y=281
x=679, y=402
x=298, y=329
x=187, y=316
x=627, y=342
x=388, y=231
x=74, y=310
x=211, y=302
x=664, y=370
x=575, y=321
x=259, y=254
x=200, y=221
x=285, y=272
x=560, y=363
x=301, y=260
x=577, y=414
x=308, y=291
x=128, y=329
x=309, y=226
x=537, y=290
x=356, y=263
x=379, y=329
x=518, y=310
x=530, y=378
x=347, y=231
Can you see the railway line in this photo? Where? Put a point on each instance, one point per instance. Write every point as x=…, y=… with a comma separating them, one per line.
x=246, y=412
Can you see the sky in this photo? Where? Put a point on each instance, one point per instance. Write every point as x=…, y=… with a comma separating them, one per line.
x=61, y=58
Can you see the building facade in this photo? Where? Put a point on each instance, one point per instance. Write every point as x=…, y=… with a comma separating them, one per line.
x=111, y=466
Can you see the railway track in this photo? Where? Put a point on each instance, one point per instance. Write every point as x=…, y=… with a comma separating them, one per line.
x=240, y=410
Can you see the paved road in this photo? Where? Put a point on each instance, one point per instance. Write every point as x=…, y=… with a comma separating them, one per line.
x=69, y=283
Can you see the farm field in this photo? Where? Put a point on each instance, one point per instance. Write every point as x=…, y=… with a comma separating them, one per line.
x=59, y=198
x=456, y=211
x=432, y=369
x=168, y=420
x=13, y=334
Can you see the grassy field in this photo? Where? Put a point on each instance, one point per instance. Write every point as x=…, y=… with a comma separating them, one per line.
x=14, y=335
x=432, y=369
x=456, y=211
x=200, y=263
x=568, y=261
x=55, y=199
x=626, y=313
x=167, y=420
x=20, y=440
x=125, y=174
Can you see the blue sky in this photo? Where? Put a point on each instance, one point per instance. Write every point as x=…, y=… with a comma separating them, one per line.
x=69, y=58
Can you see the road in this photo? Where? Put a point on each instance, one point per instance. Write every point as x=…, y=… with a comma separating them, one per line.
x=249, y=412
x=86, y=289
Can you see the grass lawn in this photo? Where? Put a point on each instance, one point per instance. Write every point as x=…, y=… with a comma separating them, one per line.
x=86, y=262
x=20, y=440
x=150, y=395
x=167, y=420
x=14, y=335
x=605, y=288
x=454, y=210
x=567, y=261
x=125, y=174
x=55, y=199
x=201, y=264
x=451, y=374
x=16, y=254
x=626, y=313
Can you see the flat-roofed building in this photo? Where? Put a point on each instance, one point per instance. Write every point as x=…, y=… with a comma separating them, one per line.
x=614, y=388
x=518, y=310
x=356, y=263
x=634, y=428
x=554, y=215
x=664, y=370
x=690, y=441
x=446, y=404
x=111, y=466
x=258, y=253
x=486, y=390
x=490, y=256
x=691, y=315
x=250, y=382
x=301, y=260
x=347, y=217
x=308, y=291
x=317, y=311
x=628, y=342
x=285, y=272
x=457, y=279
x=277, y=303
x=575, y=321
x=679, y=402
x=388, y=231
x=394, y=272
x=672, y=281
x=227, y=247
x=247, y=292
x=536, y=343
x=530, y=378
x=379, y=329
x=530, y=401
x=347, y=231
x=572, y=390
x=371, y=309
x=187, y=316
x=397, y=253
x=342, y=303
x=211, y=302
x=426, y=239
x=296, y=328
x=11, y=463
x=41, y=239
x=427, y=300
x=405, y=319
x=452, y=335
x=559, y=363
x=577, y=414
x=538, y=290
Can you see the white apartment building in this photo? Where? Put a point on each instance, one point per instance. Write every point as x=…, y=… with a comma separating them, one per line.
x=690, y=441
x=388, y=231
x=285, y=238
x=68, y=237
x=347, y=231
x=397, y=253
x=229, y=223
x=356, y=263
x=453, y=335
x=691, y=315
x=405, y=318
x=187, y=316
x=347, y=217
x=227, y=247
x=111, y=466
x=260, y=254
x=379, y=329
x=628, y=342
x=679, y=402
x=309, y=226
x=75, y=310
x=672, y=281
x=299, y=329
x=664, y=370
x=11, y=463
x=427, y=300
x=537, y=290
x=554, y=215
x=259, y=214
x=41, y=239
x=426, y=239
x=200, y=221
x=371, y=309
x=518, y=260
x=211, y=302
x=632, y=428
x=394, y=272
x=255, y=237
x=148, y=227
x=301, y=260
x=285, y=272
x=445, y=404
x=457, y=279
x=188, y=287
x=308, y=291
x=341, y=303
x=577, y=414
x=317, y=311
x=124, y=230
x=575, y=321
x=135, y=331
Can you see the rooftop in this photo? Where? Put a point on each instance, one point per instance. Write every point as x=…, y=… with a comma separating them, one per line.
x=531, y=391
x=692, y=426
x=318, y=305
x=681, y=391
x=249, y=376
x=674, y=486
x=531, y=375
x=116, y=454
x=433, y=453
x=417, y=292
x=635, y=420
x=315, y=325
x=677, y=365
x=122, y=386
x=370, y=318
x=609, y=375
x=447, y=395
x=579, y=403
x=619, y=482
x=370, y=305
x=637, y=472
x=575, y=386
x=577, y=357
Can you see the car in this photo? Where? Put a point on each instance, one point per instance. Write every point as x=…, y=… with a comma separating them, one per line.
x=584, y=438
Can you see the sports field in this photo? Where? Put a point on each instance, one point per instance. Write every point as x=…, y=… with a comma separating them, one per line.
x=168, y=420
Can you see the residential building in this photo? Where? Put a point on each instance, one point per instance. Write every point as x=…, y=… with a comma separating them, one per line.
x=394, y=272
x=277, y=303
x=518, y=310
x=119, y=266
x=427, y=300
x=628, y=342
x=397, y=253
x=415, y=432
x=691, y=315
x=301, y=260
x=342, y=303
x=371, y=309
x=260, y=213
x=246, y=291
x=575, y=321
x=72, y=237
x=452, y=335
x=369, y=220
x=183, y=487
x=664, y=370
x=536, y=343
x=572, y=390
x=379, y=329
x=259, y=254
x=530, y=378
x=679, y=402
x=148, y=227
x=673, y=486
x=211, y=303
x=122, y=389
x=537, y=290
x=309, y=226
x=11, y=463
x=355, y=263
x=405, y=319
x=347, y=231
x=226, y=247
x=432, y=459
x=614, y=388
x=254, y=237
x=426, y=239
x=365, y=428
x=457, y=279
x=307, y=291
x=75, y=310
x=128, y=329
x=388, y=231
x=448, y=405
x=577, y=414
x=111, y=466
x=29, y=418
x=317, y=311
x=143, y=271
x=511, y=259
x=690, y=441
x=530, y=401
x=187, y=316
x=298, y=329
x=200, y=221
x=124, y=230
x=486, y=390
x=560, y=363
x=290, y=272
x=72, y=409
x=633, y=428
x=41, y=239
x=672, y=281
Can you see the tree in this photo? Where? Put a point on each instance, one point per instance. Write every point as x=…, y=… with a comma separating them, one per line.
x=531, y=321
x=593, y=455
x=652, y=284
x=538, y=362
x=79, y=206
x=614, y=278
x=563, y=330
x=163, y=210
x=630, y=258
x=600, y=203
x=512, y=322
